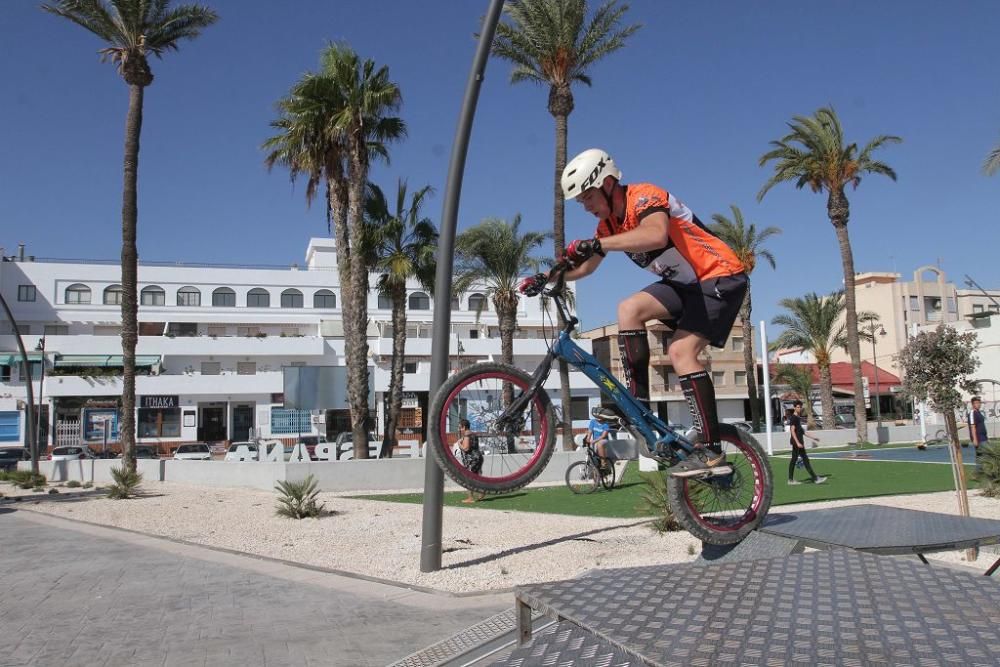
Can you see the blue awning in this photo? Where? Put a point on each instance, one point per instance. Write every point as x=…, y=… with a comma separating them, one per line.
x=14, y=358
x=103, y=360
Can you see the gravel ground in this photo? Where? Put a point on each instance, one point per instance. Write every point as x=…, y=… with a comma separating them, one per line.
x=483, y=549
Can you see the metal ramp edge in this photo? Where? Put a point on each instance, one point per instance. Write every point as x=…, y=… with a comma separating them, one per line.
x=480, y=644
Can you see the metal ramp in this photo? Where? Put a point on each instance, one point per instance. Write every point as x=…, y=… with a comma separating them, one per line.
x=824, y=608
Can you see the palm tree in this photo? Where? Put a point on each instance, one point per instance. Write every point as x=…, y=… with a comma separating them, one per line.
x=332, y=125
x=992, y=164
x=747, y=243
x=800, y=380
x=815, y=324
x=133, y=30
x=814, y=154
x=496, y=254
x=405, y=246
x=551, y=43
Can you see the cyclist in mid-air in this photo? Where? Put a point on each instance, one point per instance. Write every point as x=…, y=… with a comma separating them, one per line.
x=699, y=292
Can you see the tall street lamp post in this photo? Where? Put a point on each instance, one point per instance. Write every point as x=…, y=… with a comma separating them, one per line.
x=41, y=379
x=873, y=330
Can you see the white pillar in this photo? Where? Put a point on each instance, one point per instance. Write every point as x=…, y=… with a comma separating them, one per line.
x=767, y=389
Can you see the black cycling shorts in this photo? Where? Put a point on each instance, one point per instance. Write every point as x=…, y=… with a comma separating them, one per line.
x=708, y=308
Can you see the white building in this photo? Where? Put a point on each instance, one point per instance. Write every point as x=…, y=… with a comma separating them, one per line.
x=212, y=344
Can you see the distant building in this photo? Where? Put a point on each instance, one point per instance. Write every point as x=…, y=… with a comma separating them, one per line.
x=213, y=340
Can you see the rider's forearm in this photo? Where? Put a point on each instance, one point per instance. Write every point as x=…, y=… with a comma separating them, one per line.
x=584, y=269
x=650, y=235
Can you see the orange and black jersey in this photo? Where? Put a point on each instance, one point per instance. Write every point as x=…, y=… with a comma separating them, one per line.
x=692, y=254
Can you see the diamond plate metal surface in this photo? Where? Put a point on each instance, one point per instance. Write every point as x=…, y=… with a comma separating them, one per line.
x=883, y=530
x=566, y=644
x=824, y=608
x=755, y=545
x=463, y=642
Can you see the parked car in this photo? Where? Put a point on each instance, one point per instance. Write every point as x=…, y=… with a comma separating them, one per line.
x=310, y=441
x=235, y=455
x=9, y=456
x=146, y=452
x=194, y=451
x=71, y=453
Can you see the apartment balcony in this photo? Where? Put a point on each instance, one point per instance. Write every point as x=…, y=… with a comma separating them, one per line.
x=183, y=385
x=193, y=346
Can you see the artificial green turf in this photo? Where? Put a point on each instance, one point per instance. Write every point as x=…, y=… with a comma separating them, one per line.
x=847, y=479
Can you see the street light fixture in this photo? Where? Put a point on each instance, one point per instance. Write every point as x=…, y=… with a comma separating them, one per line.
x=41, y=380
x=872, y=330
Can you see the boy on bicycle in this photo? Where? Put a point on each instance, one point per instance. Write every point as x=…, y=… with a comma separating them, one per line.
x=700, y=287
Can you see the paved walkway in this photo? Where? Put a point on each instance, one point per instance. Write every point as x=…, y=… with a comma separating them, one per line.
x=74, y=594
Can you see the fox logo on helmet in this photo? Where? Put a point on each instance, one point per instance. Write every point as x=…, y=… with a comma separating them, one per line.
x=598, y=170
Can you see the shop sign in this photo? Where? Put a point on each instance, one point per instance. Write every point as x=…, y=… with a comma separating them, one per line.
x=158, y=402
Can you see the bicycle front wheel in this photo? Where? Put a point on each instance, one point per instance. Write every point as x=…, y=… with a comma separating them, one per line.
x=516, y=446
x=608, y=476
x=724, y=509
x=582, y=477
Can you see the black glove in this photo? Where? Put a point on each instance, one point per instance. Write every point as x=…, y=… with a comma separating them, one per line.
x=534, y=285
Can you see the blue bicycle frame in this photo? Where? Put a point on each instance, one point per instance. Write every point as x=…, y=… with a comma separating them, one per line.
x=650, y=426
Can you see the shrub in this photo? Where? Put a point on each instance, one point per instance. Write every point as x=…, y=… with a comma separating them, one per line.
x=126, y=484
x=73, y=484
x=53, y=491
x=298, y=499
x=87, y=485
x=987, y=471
x=654, y=501
x=25, y=478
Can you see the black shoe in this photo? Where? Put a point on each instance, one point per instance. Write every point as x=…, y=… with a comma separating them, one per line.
x=699, y=463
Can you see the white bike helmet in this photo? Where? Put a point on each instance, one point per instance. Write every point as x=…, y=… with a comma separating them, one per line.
x=587, y=170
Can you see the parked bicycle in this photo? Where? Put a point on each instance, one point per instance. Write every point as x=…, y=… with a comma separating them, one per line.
x=588, y=475
x=511, y=412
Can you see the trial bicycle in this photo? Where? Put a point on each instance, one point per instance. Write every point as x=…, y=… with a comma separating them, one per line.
x=511, y=413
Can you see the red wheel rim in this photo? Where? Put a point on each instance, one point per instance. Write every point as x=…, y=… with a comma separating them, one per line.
x=751, y=513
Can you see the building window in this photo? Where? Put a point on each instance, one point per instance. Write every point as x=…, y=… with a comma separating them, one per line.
x=741, y=378
x=77, y=294
x=246, y=368
x=738, y=344
x=56, y=330
x=579, y=408
x=718, y=377
x=159, y=422
x=420, y=301
x=153, y=296
x=952, y=306
x=258, y=298
x=224, y=298
x=26, y=293
x=473, y=333
x=113, y=295
x=189, y=296
x=455, y=303
x=284, y=420
x=248, y=331
x=478, y=303
x=324, y=298
x=4, y=375
x=211, y=368
x=186, y=329
x=914, y=303
x=673, y=382
x=291, y=298
x=384, y=302
x=977, y=307
x=215, y=330
x=410, y=367
x=289, y=332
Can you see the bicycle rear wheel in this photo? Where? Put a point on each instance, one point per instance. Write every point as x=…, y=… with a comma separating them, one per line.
x=608, y=476
x=516, y=446
x=582, y=477
x=724, y=509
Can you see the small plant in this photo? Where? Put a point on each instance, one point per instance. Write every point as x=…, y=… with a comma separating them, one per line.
x=298, y=499
x=73, y=484
x=87, y=485
x=126, y=484
x=52, y=491
x=25, y=479
x=654, y=501
x=692, y=550
x=37, y=489
x=987, y=471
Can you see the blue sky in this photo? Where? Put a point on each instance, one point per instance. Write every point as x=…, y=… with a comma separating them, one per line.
x=690, y=104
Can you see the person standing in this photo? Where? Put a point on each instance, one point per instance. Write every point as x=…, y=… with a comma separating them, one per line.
x=977, y=424
x=798, y=435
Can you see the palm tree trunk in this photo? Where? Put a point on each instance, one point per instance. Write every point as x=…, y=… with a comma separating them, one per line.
x=356, y=337
x=839, y=212
x=507, y=316
x=559, y=241
x=749, y=362
x=396, y=373
x=826, y=395
x=130, y=271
